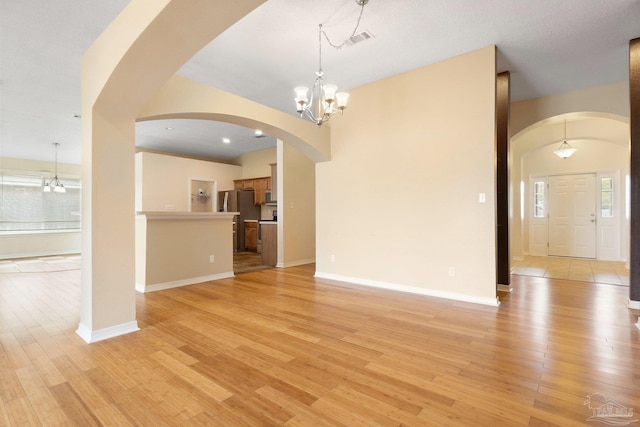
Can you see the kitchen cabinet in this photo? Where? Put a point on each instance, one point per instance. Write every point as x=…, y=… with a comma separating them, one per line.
x=258, y=185
x=269, y=235
x=251, y=235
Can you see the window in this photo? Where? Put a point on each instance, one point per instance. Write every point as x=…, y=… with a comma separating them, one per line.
x=538, y=199
x=25, y=207
x=606, y=198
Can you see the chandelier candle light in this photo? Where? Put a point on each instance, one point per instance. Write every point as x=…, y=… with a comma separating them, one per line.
x=327, y=101
x=54, y=185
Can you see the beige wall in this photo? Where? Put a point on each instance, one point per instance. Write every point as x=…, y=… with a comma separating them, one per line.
x=163, y=182
x=296, y=207
x=398, y=205
x=256, y=164
x=612, y=98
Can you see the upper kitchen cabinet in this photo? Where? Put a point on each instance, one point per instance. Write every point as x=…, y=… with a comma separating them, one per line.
x=259, y=185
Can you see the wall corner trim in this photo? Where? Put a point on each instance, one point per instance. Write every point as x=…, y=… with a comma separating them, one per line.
x=494, y=302
x=102, y=334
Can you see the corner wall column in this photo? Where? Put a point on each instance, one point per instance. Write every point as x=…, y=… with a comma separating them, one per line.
x=503, y=104
x=634, y=173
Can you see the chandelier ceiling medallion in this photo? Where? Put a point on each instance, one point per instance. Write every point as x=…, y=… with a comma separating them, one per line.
x=324, y=100
x=565, y=151
x=54, y=184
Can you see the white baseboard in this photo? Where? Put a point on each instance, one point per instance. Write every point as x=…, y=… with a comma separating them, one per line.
x=102, y=334
x=505, y=288
x=409, y=289
x=184, y=282
x=635, y=305
x=296, y=263
x=518, y=258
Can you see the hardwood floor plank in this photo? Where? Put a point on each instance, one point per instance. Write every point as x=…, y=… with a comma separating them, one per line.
x=202, y=383
x=21, y=413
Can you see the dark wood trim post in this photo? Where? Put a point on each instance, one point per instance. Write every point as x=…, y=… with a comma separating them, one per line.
x=503, y=105
x=634, y=171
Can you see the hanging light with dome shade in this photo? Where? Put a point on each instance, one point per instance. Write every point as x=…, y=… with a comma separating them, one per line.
x=565, y=151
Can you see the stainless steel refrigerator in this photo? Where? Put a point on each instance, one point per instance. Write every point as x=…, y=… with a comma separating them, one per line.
x=239, y=201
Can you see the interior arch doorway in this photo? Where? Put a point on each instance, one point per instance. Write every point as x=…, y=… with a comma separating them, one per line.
x=601, y=160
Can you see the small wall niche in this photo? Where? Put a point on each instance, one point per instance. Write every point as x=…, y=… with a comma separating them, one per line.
x=201, y=196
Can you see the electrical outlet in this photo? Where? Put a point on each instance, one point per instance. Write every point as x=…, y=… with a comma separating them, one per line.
x=211, y=258
x=452, y=271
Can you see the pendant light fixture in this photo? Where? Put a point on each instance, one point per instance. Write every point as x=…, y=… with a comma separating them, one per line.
x=54, y=184
x=323, y=101
x=565, y=150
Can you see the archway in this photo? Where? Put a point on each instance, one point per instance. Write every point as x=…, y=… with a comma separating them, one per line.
x=121, y=73
x=601, y=141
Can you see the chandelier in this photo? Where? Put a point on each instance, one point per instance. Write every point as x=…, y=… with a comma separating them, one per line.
x=565, y=150
x=323, y=101
x=54, y=184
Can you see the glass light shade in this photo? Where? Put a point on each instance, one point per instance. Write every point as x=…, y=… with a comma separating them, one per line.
x=46, y=188
x=301, y=94
x=59, y=189
x=341, y=99
x=565, y=150
x=329, y=92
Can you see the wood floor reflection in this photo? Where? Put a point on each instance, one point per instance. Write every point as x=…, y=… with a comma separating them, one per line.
x=246, y=262
x=278, y=347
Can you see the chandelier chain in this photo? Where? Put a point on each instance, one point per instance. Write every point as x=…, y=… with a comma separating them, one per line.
x=353, y=33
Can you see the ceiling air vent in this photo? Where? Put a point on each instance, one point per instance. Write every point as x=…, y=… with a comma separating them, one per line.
x=365, y=35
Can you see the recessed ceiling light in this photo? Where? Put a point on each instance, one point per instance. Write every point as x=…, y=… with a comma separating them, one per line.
x=257, y=132
x=226, y=140
x=77, y=116
x=169, y=128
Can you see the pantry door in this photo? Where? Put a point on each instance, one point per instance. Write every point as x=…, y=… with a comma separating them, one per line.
x=572, y=215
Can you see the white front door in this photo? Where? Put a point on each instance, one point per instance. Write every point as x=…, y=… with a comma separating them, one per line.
x=572, y=215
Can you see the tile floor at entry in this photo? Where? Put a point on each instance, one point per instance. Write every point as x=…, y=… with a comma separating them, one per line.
x=579, y=269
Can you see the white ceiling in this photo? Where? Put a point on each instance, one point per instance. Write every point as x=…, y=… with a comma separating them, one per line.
x=549, y=46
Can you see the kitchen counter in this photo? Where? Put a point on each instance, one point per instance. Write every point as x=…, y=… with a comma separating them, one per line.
x=161, y=238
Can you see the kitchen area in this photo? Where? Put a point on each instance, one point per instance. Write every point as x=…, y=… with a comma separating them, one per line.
x=255, y=244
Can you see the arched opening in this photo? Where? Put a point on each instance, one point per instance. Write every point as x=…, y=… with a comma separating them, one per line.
x=602, y=155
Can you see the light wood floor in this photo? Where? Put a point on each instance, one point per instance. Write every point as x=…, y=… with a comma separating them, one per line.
x=279, y=348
